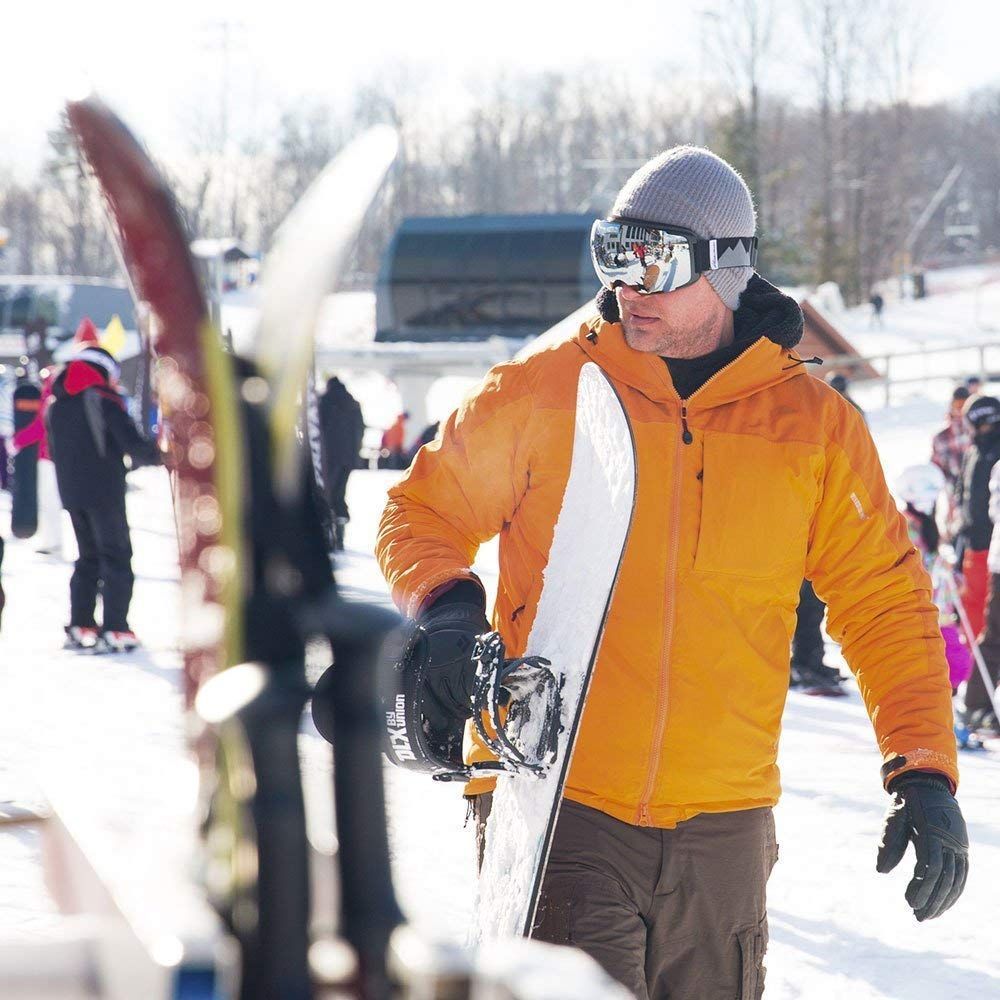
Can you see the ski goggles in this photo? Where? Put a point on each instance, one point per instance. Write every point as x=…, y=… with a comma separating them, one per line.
x=651, y=258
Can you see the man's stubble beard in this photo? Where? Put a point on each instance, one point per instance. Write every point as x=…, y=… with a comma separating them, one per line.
x=672, y=342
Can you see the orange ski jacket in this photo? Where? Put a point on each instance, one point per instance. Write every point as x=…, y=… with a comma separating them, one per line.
x=762, y=477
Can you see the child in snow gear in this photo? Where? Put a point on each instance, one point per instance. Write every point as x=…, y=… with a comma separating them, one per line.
x=919, y=487
x=90, y=434
x=757, y=476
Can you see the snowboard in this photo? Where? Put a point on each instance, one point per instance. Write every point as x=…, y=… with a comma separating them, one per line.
x=24, y=495
x=588, y=546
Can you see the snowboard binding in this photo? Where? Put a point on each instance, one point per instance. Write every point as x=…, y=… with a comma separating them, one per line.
x=516, y=709
x=526, y=739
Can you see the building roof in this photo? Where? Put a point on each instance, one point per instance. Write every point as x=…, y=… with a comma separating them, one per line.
x=227, y=247
x=822, y=338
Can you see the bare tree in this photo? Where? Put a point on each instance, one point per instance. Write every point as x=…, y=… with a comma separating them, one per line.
x=742, y=44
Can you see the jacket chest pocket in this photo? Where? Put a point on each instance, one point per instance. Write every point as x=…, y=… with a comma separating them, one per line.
x=757, y=502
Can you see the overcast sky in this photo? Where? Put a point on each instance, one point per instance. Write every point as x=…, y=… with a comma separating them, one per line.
x=161, y=64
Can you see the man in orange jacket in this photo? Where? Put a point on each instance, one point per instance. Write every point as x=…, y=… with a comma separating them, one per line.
x=752, y=476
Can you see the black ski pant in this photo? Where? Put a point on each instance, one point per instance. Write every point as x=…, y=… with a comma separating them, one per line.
x=105, y=563
x=336, y=490
x=979, y=700
x=807, y=640
x=672, y=914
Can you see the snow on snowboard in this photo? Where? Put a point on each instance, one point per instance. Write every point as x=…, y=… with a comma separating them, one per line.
x=587, y=550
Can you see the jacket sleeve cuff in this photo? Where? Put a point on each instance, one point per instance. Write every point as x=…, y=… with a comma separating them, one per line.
x=434, y=586
x=920, y=760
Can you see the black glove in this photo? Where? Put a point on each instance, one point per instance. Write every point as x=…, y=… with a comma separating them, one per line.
x=450, y=628
x=925, y=811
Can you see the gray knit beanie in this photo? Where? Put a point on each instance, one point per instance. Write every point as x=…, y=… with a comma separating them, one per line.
x=691, y=187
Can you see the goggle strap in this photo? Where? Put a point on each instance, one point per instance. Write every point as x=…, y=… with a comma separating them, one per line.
x=734, y=251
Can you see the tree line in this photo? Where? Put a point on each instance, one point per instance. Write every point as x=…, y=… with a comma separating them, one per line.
x=841, y=174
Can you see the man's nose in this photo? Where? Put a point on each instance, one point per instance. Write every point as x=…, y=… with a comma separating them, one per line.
x=628, y=293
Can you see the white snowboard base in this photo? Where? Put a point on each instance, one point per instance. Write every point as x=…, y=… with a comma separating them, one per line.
x=587, y=549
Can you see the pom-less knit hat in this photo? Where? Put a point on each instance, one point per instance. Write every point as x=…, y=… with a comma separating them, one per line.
x=691, y=187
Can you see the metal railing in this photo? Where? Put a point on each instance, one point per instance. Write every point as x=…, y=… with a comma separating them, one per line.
x=951, y=363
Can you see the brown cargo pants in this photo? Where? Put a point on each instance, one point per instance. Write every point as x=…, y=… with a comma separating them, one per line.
x=673, y=914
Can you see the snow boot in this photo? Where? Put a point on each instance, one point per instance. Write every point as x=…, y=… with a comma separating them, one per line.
x=118, y=642
x=966, y=739
x=984, y=722
x=81, y=637
x=817, y=680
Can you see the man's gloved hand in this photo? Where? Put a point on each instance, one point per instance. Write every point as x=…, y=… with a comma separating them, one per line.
x=450, y=626
x=925, y=811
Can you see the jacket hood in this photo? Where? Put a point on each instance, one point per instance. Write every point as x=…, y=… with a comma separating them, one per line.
x=767, y=318
x=77, y=376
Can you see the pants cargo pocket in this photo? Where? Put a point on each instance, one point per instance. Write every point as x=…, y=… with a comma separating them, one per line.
x=753, y=946
x=554, y=920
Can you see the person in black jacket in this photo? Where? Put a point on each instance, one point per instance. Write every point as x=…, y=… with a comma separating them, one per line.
x=341, y=428
x=808, y=671
x=972, y=501
x=90, y=434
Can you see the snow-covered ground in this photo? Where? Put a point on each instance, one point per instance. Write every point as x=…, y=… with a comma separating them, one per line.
x=105, y=737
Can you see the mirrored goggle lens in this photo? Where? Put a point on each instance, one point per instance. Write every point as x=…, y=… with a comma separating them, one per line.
x=650, y=260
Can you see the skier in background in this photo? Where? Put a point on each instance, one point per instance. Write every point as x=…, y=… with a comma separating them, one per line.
x=50, y=540
x=90, y=434
x=342, y=428
x=838, y=382
x=949, y=445
x=752, y=477
x=948, y=448
x=809, y=672
x=878, y=304
x=427, y=435
x=972, y=499
x=393, y=454
x=49, y=504
x=980, y=710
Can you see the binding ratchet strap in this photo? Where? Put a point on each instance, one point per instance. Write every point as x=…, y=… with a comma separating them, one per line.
x=526, y=738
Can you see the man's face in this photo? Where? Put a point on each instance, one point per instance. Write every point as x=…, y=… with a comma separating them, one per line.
x=685, y=323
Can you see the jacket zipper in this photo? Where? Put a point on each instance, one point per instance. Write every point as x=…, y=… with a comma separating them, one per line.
x=668, y=631
x=662, y=704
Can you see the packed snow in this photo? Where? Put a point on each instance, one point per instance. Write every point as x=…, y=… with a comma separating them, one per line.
x=103, y=738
